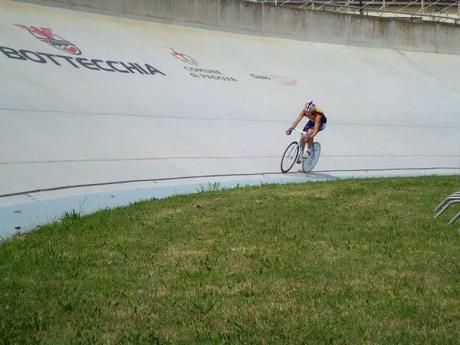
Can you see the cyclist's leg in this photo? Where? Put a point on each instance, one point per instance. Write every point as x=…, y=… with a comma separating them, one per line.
x=302, y=143
x=310, y=140
x=302, y=139
x=308, y=128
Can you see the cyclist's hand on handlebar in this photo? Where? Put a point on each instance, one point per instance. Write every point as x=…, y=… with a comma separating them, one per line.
x=289, y=130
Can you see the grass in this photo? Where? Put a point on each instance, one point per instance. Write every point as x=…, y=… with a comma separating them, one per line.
x=341, y=262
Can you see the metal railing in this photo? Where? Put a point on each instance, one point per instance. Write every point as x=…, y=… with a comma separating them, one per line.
x=445, y=204
x=447, y=11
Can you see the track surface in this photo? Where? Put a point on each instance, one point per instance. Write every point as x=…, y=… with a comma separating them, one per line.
x=99, y=111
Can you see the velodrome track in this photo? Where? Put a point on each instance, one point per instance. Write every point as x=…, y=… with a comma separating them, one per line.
x=99, y=111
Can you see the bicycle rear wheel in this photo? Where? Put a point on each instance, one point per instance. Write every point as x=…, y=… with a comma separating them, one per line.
x=310, y=162
x=289, y=157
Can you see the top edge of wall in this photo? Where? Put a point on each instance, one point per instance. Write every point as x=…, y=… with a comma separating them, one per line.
x=284, y=22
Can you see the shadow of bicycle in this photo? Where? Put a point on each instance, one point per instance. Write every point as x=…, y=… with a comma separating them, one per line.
x=316, y=176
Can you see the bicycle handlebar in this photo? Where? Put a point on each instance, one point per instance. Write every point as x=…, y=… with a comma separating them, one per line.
x=302, y=132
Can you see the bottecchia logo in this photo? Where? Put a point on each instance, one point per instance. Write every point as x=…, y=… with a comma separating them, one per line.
x=183, y=57
x=47, y=36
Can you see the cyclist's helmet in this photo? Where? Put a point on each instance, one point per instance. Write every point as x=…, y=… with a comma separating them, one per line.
x=310, y=106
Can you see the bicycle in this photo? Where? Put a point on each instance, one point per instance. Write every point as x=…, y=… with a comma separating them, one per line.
x=292, y=152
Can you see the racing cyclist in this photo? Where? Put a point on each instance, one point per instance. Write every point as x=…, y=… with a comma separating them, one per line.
x=316, y=123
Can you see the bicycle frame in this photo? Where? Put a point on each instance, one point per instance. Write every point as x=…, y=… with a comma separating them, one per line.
x=301, y=132
x=304, y=135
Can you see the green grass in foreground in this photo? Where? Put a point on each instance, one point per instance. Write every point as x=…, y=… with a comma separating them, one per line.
x=342, y=262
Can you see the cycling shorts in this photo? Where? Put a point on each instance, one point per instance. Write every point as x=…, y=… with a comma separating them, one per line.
x=311, y=124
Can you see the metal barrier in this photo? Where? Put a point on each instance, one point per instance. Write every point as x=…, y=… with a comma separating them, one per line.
x=444, y=205
x=446, y=11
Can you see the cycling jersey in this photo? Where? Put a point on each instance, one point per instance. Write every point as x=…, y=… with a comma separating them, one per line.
x=318, y=111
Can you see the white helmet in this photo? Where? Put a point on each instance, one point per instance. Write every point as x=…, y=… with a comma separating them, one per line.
x=310, y=106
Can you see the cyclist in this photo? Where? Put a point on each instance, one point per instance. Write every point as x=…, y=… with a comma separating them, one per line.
x=316, y=123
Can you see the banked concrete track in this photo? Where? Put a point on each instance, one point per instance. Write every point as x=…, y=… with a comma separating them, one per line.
x=99, y=111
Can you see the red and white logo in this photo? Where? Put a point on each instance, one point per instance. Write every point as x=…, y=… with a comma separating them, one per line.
x=285, y=80
x=47, y=36
x=183, y=57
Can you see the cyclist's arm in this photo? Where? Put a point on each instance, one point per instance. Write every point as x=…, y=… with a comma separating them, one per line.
x=297, y=120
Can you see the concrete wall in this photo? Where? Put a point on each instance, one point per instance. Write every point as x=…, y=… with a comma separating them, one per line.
x=244, y=17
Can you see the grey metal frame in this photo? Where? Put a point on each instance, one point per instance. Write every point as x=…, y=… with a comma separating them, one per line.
x=434, y=10
x=454, y=218
x=446, y=203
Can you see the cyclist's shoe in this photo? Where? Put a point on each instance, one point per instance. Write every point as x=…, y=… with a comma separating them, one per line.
x=306, y=154
x=299, y=159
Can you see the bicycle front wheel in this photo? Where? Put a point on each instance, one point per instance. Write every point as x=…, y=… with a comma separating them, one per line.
x=289, y=157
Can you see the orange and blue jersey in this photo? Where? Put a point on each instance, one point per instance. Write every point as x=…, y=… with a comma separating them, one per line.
x=310, y=124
